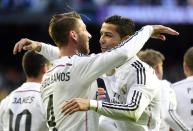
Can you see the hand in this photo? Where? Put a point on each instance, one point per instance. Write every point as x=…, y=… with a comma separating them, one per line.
x=159, y=29
x=74, y=105
x=26, y=44
x=101, y=93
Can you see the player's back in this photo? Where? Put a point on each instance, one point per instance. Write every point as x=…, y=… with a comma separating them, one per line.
x=62, y=82
x=184, y=95
x=23, y=110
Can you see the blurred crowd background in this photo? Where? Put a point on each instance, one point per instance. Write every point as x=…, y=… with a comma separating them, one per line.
x=30, y=18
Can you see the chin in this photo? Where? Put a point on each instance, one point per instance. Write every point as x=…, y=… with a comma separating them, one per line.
x=103, y=50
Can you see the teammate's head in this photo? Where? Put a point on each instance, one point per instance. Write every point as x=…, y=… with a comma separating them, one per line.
x=34, y=64
x=154, y=59
x=69, y=28
x=114, y=30
x=188, y=62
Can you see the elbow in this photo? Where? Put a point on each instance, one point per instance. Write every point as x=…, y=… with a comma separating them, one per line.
x=134, y=116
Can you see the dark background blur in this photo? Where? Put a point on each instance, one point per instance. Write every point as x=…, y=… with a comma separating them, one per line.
x=30, y=18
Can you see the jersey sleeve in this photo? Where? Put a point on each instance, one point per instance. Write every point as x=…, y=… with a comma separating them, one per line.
x=137, y=101
x=172, y=118
x=2, y=112
x=50, y=52
x=140, y=37
x=89, y=68
x=139, y=97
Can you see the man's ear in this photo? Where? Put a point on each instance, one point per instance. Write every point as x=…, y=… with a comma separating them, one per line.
x=125, y=37
x=73, y=35
x=186, y=69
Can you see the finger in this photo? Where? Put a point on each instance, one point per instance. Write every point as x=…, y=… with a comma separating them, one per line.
x=67, y=105
x=20, y=45
x=29, y=47
x=170, y=31
x=162, y=37
x=16, y=47
x=71, y=109
x=101, y=97
x=100, y=89
x=25, y=42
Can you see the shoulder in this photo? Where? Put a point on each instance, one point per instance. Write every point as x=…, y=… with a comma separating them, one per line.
x=4, y=102
x=165, y=83
x=181, y=83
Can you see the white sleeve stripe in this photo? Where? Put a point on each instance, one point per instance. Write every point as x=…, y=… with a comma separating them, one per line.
x=129, y=107
x=124, y=42
x=141, y=76
x=177, y=121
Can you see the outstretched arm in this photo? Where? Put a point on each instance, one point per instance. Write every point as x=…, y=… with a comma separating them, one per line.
x=27, y=44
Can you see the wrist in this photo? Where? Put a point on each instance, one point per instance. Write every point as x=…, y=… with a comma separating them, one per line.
x=39, y=46
x=36, y=46
x=93, y=105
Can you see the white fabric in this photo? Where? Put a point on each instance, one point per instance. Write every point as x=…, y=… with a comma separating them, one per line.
x=72, y=77
x=137, y=94
x=184, y=95
x=27, y=100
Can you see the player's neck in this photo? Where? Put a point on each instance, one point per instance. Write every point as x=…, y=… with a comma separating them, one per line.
x=36, y=80
x=68, y=51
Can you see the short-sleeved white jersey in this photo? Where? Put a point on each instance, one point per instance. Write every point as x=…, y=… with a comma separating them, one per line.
x=71, y=77
x=184, y=95
x=135, y=98
x=22, y=110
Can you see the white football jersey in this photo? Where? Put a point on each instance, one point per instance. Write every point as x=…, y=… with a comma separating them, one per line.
x=184, y=95
x=22, y=110
x=134, y=92
x=107, y=124
x=72, y=77
x=168, y=109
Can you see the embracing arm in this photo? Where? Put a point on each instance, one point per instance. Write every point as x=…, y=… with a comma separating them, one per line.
x=89, y=66
x=132, y=110
x=47, y=50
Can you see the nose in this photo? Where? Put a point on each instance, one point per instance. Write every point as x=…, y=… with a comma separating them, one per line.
x=89, y=35
x=101, y=40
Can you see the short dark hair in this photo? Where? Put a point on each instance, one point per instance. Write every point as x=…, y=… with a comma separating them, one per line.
x=151, y=57
x=188, y=58
x=125, y=26
x=32, y=63
x=60, y=26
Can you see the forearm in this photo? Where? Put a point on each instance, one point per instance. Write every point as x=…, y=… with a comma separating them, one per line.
x=131, y=112
x=116, y=56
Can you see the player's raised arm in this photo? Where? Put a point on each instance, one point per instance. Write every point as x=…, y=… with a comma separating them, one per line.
x=27, y=44
x=160, y=30
x=119, y=54
x=49, y=51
